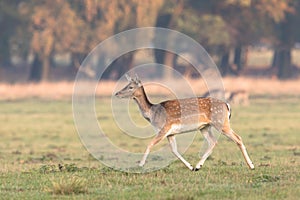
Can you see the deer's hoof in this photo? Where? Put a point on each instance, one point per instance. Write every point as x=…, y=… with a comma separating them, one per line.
x=251, y=166
x=196, y=169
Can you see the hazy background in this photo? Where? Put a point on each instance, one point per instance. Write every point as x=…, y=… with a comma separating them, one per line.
x=46, y=41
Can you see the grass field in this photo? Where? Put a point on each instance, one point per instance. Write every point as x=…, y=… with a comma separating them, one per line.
x=42, y=157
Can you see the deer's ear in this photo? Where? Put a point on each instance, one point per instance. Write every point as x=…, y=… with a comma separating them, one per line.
x=128, y=78
x=136, y=77
x=139, y=83
x=137, y=80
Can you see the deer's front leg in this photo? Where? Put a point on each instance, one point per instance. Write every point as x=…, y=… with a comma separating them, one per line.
x=173, y=146
x=155, y=140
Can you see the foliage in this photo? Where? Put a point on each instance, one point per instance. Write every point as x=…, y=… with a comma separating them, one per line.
x=209, y=30
x=9, y=23
x=55, y=27
x=46, y=28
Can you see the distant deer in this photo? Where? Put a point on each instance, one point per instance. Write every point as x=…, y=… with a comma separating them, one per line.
x=217, y=94
x=239, y=97
x=183, y=115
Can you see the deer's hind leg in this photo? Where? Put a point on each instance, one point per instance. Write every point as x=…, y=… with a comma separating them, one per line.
x=211, y=140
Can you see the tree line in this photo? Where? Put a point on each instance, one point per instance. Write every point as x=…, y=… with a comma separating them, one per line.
x=44, y=28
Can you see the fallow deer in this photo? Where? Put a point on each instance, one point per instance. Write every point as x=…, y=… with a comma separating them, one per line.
x=239, y=97
x=183, y=115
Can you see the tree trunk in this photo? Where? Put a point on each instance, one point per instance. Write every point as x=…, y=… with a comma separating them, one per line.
x=238, y=61
x=287, y=40
x=76, y=60
x=39, y=69
x=169, y=62
x=159, y=54
x=285, y=68
x=36, y=70
x=46, y=69
x=224, y=65
x=167, y=21
x=275, y=60
x=5, y=57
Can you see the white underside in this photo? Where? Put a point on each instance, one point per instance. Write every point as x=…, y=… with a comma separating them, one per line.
x=179, y=128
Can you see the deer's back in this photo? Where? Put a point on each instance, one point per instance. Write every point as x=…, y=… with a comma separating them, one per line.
x=195, y=109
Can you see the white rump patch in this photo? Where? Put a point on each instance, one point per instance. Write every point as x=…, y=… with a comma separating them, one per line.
x=229, y=110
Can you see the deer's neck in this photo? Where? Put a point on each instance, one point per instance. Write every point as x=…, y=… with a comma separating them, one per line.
x=143, y=102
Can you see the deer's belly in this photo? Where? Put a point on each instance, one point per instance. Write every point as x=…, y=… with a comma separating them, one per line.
x=181, y=128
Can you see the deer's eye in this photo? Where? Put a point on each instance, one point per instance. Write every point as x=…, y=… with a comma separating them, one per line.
x=130, y=87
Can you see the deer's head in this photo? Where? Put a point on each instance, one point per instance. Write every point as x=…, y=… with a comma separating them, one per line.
x=131, y=89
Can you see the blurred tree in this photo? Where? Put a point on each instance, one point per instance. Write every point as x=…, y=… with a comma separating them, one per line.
x=167, y=18
x=146, y=12
x=218, y=25
x=200, y=19
x=10, y=20
x=210, y=30
x=77, y=26
x=106, y=18
x=247, y=21
x=55, y=28
x=246, y=25
x=221, y=26
x=256, y=21
x=286, y=35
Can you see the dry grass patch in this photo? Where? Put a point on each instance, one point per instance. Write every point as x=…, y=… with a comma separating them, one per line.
x=64, y=90
x=68, y=185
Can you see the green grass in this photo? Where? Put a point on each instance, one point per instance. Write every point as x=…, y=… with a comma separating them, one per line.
x=42, y=157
